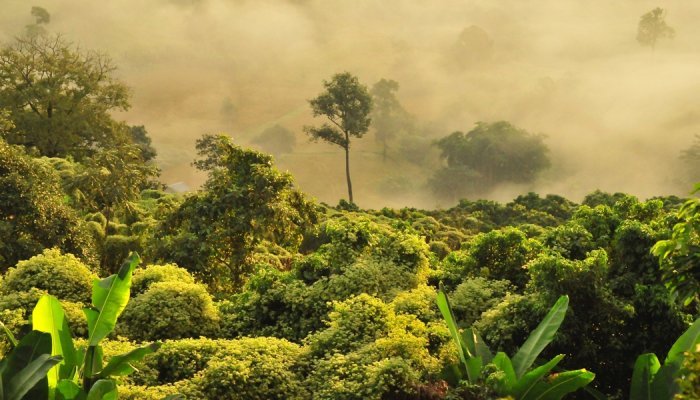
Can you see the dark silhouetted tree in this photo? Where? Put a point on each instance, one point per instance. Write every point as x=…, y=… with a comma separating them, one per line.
x=276, y=140
x=389, y=118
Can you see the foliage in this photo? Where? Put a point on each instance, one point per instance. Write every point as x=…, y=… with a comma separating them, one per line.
x=63, y=276
x=23, y=371
x=689, y=380
x=81, y=372
x=33, y=215
x=514, y=376
x=653, y=380
x=347, y=105
x=475, y=295
x=652, y=27
x=60, y=97
x=245, y=201
x=253, y=368
x=170, y=310
x=493, y=153
x=679, y=256
x=145, y=277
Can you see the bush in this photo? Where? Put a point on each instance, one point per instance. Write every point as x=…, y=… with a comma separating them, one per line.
x=63, y=276
x=419, y=302
x=476, y=295
x=170, y=310
x=178, y=360
x=144, y=278
x=253, y=368
x=133, y=392
x=352, y=323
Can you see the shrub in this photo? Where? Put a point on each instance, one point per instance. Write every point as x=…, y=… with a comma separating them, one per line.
x=144, y=278
x=476, y=295
x=352, y=323
x=133, y=392
x=177, y=360
x=63, y=276
x=254, y=368
x=170, y=310
x=419, y=302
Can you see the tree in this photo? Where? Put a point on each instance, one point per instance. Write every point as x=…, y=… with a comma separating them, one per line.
x=492, y=153
x=388, y=116
x=59, y=97
x=41, y=17
x=140, y=138
x=652, y=27
x=33, y=214
x=276, y=140
x=347, y=105
x=111, y=180
x=245, y=200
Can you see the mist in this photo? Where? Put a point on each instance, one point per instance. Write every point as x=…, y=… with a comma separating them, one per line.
x=616, y=115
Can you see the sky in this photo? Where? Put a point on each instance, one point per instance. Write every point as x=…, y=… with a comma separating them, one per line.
x=615, y=114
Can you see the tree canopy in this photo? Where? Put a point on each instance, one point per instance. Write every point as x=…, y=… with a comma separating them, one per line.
x=59, y=96
x=489, y=154
x=245, y=200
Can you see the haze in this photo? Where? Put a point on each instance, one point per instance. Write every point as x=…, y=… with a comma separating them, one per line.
x=616, y=115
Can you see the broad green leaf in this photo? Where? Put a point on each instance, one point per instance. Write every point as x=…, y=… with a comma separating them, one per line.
x=93, y=362
x=27, y=350
x=474, y=365
x=8, y=334
x=104, y=389
x=525, y=384
x=121, y=365
x=109, y=298
x=476, y=345
x=174, y=397
x=560, y=385
x=645, y=368
x=24, y=380
x=48, y=317
x=503, y=363
x=540, y=337
x=69, y=390
x=685, y=343
x=664, y=386
x=448, y=315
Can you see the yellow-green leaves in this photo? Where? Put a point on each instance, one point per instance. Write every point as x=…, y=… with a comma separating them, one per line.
x=48, y=317
x=109, y=298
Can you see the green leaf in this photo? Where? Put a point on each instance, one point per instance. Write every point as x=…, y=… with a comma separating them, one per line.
x=560, y=385
x=104, y=389
x=69, y=390
x=121, y=365
x=109, y=298
x=503, y=363
x=645, y=368
x=687, y=342
x=540, y=337
x=174, y=397
x=444, y=306
x=525, y=384
x=48, y=317
x=474, y=366
x=8, y=334
x=664, y=386
x=28, y=377
x=476, y=345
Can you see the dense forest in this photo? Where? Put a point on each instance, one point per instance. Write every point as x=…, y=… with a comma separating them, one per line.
x=116, y=285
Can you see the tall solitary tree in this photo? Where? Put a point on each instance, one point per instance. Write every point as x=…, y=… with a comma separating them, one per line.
x=652, y=27
x=347, y=104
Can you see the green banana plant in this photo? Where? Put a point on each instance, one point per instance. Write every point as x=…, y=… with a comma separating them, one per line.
x=651, y=380
x=23, y=370
x=517, y=379
x=79, y=373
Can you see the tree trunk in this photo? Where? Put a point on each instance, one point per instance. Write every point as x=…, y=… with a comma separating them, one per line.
x=347, y=166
